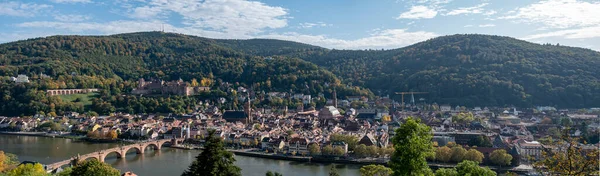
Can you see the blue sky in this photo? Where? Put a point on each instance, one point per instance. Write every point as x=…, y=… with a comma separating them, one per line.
x=340, y=24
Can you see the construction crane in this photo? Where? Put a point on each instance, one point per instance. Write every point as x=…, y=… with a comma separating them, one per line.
x=411, y=93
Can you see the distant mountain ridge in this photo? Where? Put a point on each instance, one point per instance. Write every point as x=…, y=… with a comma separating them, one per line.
x=467, y=70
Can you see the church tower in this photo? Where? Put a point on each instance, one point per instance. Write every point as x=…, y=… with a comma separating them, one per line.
x=248, y=109
x=334, y=98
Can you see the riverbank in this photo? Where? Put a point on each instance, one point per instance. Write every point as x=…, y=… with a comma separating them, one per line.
x=41, y=134
x=380, y=161
x=79, y=138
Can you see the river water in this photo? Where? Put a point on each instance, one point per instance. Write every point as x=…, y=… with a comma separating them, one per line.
x=167, y=161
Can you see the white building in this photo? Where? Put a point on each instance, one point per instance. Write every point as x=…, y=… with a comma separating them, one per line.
x=22, y=79
x=298, y=145
x=533, y=149
x=445, y=108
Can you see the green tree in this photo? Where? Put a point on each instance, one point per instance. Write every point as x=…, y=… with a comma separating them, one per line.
x=338, y=151
x=458, y=153
x=66, y=172
x=269, y=173
x=314, y=149
x=94, y=168
x=333, y=171
x=412, y=145
x=50, y=126
x=481, y=141
x=373, y=151
x=361, y=150
x=28, y=170
x=446, y=172
x=375, y=170
x=351, y=140
x=566, y=122
x=327, y=150
x=214, y=160
x=443, y=154
x=474, y=155
x=470, y=168
x=500, y=157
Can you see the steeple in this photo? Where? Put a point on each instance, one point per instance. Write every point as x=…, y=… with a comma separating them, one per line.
x=334, y=98
x=248, y=108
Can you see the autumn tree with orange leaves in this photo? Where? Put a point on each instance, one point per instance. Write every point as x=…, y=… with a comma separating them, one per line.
x=569, y=157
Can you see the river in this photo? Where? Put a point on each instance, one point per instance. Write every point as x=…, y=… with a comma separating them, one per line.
x=167, y=161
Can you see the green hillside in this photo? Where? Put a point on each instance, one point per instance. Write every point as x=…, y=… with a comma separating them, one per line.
x=469, y=70
x=114, y=63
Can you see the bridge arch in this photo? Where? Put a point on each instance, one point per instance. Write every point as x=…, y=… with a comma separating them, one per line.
x=118, y=153
x=152, y=145
x=135, y=148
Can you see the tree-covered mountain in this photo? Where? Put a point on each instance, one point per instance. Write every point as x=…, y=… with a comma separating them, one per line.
x=159, y=55
x=113, y=63
x=470, y=70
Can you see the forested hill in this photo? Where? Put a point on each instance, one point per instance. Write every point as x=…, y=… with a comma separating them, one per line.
x=471, y=70
x=166, y=56
x=268, y=47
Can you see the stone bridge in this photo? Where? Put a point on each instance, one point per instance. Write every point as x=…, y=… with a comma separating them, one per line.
x=120, y=151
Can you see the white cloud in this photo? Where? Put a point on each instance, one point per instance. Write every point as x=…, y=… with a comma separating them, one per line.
x=19, y=9
x=490, y=12
x=434, y=2
x=580, y=33
x=235, y=17
x=71, y=1
x=146, y=12
x=468, y=25
x=310, y=25
x=418, y=12
x=72, y=18
x=486, y=25
x=470, y=10
x=558, y=13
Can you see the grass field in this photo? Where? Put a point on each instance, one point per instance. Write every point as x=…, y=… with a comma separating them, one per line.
x=86, y=99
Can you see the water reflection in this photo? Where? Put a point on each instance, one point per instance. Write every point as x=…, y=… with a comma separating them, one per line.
x=166, y=161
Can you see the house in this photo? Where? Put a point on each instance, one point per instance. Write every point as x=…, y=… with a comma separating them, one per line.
x=306, y=99
x=297, y=96
x=5, y=122
x=241, y=89
x=298, y=145
x=264, y=143
x=329, y=112
x=22, y=79
x=351, y=112
x=235, y=116
x=368, y=140
x=445, y=108
x=367, y=115
x=530, y=149
x=499, y=142
x=276, y=145
x=343, y=145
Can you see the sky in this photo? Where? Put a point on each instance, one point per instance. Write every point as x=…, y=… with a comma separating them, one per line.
x=336, y=24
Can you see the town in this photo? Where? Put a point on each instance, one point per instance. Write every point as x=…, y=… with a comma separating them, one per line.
x=344, y=129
